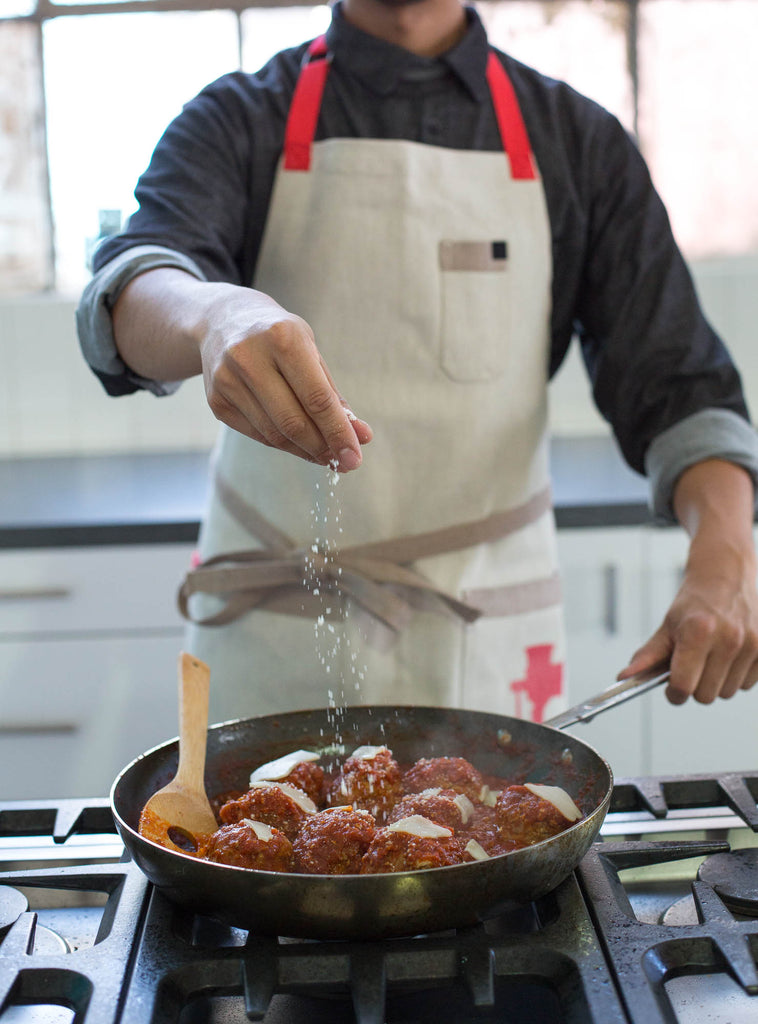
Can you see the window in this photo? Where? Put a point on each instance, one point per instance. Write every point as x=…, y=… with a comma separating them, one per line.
x=84, y=98
x=583, y=43
x=25, y=232
x=113, y=83
x=265, y=31
x=698, y=127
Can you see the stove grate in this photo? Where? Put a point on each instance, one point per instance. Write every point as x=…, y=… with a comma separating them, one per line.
x=645, y=957
x=484, y=968
x=577, y=955
x=91, y=980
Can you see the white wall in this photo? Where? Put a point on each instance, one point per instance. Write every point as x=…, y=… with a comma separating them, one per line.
x=50, y=402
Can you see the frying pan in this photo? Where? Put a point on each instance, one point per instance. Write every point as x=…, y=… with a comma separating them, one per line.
x=378, y=905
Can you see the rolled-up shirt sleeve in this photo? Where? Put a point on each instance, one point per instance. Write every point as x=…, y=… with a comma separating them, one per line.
x=709, y=434
x=95, y=325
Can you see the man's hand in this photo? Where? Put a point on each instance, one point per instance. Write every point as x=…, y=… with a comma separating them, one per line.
x=265, y=378
x=710, y=633
x=263, y=373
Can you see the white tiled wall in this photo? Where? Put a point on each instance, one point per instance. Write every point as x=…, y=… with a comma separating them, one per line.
x=728, y=290
x=50, y=402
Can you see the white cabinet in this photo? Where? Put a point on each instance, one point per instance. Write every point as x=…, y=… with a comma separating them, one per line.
x=603, y=572
x=618, y=585
x=89, y=639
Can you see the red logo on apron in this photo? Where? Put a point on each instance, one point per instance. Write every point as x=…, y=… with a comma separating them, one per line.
x=542, y=681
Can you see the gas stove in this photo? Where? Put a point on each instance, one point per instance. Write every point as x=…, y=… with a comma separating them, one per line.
x=658, y=924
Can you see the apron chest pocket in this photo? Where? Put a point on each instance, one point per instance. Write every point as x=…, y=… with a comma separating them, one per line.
x=475, y=308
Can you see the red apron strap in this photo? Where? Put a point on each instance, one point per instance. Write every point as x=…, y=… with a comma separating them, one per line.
x=511, y=124
x=306, y=103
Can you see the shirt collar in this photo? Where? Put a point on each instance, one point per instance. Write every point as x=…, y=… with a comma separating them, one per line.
x=383, y=66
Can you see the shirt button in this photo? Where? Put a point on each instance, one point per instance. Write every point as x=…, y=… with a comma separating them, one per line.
x=433, y=127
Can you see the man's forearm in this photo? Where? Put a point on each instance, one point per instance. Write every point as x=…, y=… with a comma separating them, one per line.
x=709, y=635
x=714, y=502
x=155, y=323
x=262, y=370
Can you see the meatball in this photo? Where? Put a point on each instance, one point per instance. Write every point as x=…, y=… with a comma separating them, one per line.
x=249, y=844
x=528, y=818
x=484, y=829
x=274, y=803
x=309, y=777
x=412, y=844
x=446, y=773
x=370, y=780
x=445, y=806
x=218, y=801
x=333, y=841
x=297, y=768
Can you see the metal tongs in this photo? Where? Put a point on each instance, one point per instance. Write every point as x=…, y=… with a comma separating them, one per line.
x=634, y=686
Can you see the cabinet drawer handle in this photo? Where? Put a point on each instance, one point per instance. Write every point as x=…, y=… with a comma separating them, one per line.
x=610, y=588
x=38, y=729
x=35, y=594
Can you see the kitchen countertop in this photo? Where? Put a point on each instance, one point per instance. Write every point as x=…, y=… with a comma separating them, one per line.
x=65, y=501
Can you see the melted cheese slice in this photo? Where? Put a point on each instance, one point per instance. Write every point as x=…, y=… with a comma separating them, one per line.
x=418, y=825
x=489, y=796
x=465, y=806
x=461, y=801
x=476, y=850
x=301, y=799
x=263, y=832
x=281, y=768
x=368, y=753
x=558, y=797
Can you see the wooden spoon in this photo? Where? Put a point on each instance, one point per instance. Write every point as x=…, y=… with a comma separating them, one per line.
x=182, y=806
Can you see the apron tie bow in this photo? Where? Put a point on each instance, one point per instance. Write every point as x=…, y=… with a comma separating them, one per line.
x=294, y=584
x=380, y=576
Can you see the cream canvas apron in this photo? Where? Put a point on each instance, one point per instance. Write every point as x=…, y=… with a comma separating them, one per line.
x=429, y=575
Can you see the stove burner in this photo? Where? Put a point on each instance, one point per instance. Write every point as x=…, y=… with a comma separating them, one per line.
x=47, y=941
x=681, y=913
x=734, y=877
x=37, y=1015
x=12, y=905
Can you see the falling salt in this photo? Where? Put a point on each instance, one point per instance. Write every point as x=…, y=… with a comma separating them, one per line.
x=332, y=642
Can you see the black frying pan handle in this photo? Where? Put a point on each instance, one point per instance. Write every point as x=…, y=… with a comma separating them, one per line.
x=635, y=685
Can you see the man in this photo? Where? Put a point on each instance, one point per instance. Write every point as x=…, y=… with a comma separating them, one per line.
x=425, y=222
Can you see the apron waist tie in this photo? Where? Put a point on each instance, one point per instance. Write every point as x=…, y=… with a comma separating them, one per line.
x=378, y=576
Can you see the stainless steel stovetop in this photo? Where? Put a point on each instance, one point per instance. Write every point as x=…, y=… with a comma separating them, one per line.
x=658, y=924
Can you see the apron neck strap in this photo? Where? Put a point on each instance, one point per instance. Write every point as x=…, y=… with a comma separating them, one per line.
x=306, y=103
x=510, y=122
x=305, y=106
